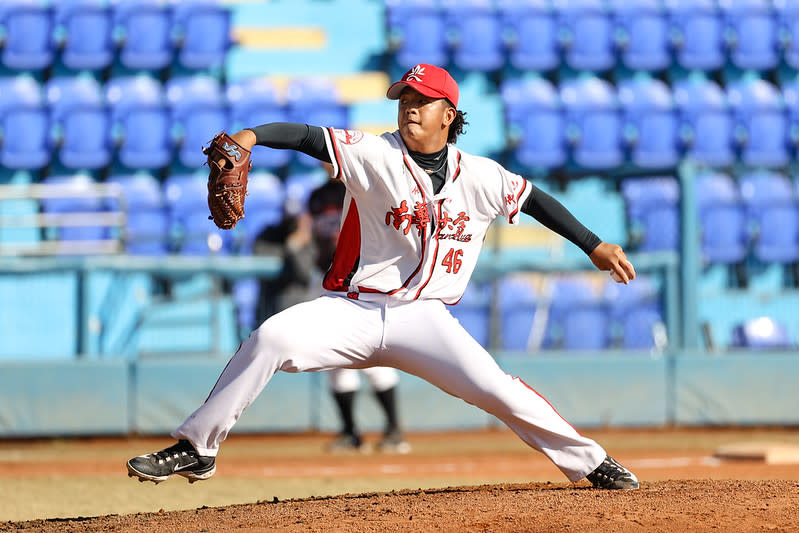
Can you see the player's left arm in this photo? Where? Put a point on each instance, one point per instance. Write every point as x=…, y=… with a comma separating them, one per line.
x=554, y=215
x=286, y=136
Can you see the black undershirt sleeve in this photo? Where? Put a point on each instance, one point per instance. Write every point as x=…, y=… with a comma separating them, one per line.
x=552, y=214
x=290, y=136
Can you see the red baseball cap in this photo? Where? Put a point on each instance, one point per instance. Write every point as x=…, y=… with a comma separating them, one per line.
x=429, y=80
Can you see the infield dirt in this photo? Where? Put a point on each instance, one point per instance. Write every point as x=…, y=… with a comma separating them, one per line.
x=470, y=482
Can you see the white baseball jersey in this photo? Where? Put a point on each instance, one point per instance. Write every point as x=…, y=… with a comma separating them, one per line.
x=402, y=254
x=400, y=238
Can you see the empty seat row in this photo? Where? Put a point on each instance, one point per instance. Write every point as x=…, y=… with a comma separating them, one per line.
x=642, y=120
x=569, y=313
x=595, y=35
x=576, y=313
x=755, y=212
x=92, y=34
x=145, y=123
x=165, y=217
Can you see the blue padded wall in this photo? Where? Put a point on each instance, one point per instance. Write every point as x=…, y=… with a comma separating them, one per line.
x=64, y=398
x=38, y=318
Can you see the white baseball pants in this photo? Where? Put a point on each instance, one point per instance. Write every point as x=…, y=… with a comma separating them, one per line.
x=420, y=337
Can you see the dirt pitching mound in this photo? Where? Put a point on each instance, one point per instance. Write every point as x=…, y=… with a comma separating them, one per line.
x=690, y=505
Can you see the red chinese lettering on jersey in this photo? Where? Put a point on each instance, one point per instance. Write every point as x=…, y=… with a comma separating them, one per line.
x=509, y=199
x=457, y=224
x=398, y=216
x=348, y=136
x=420, y=217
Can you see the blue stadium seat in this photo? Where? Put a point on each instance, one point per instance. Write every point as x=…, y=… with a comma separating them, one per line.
x=773, y=215
x=751, y=33
x=697, y=33
x=253, y=102
x=84, y=34
x=203, y=33
x=531, y=34
x=187, y=205
x=790, y=98
x=586, y=34
x=315, y=101
x=77, y=199
x=417, y=32
x=637, y=310
x=761, y=129
x=146, y=222
x=788, y=30
x=79, y=114
x=705, y=121
x=23, y=112
x=517, y=303
x=721, y=219
x=245, y=293
x=653, y=212
x=141, y=121
x=534, y=120
x=143, y=33
x=475, y=34
x=593, y=122
x=578, y=318
x=639, y=329
x=650, y=122
x=473, y=312
x=198, y=107
x=298, y=187
x=264, y=207
x=642, y=34
x=26, y=35
x=762, y=333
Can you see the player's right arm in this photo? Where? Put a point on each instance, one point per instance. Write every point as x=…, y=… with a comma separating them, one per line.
x=287, y=136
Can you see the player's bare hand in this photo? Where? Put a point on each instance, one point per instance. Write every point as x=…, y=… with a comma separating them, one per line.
x=611, y=257
x=245, y=138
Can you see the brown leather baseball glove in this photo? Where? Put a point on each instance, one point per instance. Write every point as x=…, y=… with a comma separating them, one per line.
x=227, y=182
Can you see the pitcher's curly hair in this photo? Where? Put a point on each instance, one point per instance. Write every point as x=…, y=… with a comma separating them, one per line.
x=456, y=128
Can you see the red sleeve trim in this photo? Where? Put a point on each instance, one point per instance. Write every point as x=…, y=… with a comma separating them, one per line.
x=521, y=191
x=335, y=152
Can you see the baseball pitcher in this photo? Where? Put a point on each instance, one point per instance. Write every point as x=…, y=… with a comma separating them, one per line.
x=416, y=211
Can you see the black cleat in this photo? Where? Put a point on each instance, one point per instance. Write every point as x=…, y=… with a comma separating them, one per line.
x=347, y=442
x=394, y=442
x=611, y=475
x=180, y=459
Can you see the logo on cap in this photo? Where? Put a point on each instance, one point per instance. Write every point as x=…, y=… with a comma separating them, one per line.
x=415, y=73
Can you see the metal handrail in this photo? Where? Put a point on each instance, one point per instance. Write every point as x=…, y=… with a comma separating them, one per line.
x=110, y=218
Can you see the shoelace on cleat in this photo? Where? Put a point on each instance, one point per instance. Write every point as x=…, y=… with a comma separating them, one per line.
x=168, y=454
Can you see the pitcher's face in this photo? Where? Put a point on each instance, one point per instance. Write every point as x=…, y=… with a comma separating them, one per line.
x=423, y=121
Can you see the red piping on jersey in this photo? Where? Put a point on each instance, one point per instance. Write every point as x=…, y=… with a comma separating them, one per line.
x=524, y=187
x=547, y=401
x=435, y=252
x=335, y=152
x=457, y=169
x=423, y=237
x=347, y=254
